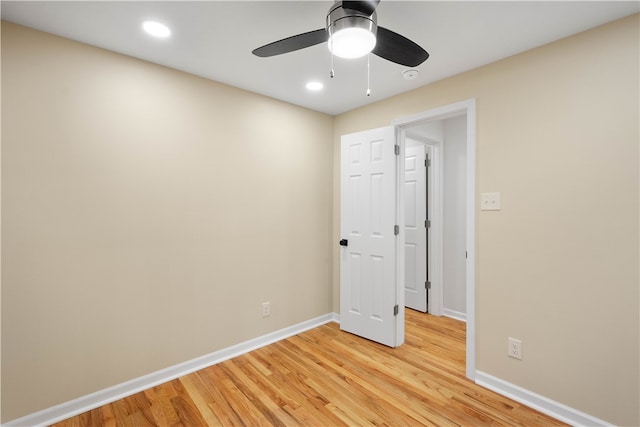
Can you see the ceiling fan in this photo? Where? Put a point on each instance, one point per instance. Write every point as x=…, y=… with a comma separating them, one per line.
x=351, y=31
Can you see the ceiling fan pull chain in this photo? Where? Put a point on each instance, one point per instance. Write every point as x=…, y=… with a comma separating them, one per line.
x=332, y=73
x=369, y=74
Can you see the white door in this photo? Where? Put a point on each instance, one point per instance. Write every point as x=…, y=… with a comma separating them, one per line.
x=368, y=292
x=415, y=217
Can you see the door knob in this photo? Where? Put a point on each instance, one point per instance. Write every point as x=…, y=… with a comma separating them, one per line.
x=344, y=242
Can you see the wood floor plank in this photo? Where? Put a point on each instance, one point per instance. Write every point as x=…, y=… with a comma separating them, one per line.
x=395, y=390
x=303, y=400
x=358, y=378
x=242, y=405
x=326, y=377
x=219, y=405
x=187, y=411
x=106, y=417
x=161, y=407
x=262, y=402
x=201, y=397
x=288, y=412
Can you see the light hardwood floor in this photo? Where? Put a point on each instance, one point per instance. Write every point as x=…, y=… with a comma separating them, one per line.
x=326, y=377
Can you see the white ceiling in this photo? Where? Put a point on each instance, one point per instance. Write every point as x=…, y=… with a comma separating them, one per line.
x=214, y=39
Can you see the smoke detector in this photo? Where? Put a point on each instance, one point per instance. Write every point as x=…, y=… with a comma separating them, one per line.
x=410, y=74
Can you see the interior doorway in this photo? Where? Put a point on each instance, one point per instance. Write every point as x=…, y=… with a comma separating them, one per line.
x=464, y=111
x=435, y=210
x=372, y=255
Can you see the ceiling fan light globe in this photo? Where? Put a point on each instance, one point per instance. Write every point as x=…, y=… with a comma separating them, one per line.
x=352, y=42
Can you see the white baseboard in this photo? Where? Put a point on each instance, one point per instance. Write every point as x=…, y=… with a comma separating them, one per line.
x=543, y=404
x=91, y=401
x=102, y=397
x=454, y=314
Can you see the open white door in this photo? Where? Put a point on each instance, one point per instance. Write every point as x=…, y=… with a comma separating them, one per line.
x=415, y=227
x=368, y=288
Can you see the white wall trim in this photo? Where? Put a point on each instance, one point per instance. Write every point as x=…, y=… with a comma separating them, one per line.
x=102, y=397
x=543, y=404
x=454, y=314
x=470, y=108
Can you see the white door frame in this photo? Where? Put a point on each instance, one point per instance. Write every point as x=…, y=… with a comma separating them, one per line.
x=468, y=108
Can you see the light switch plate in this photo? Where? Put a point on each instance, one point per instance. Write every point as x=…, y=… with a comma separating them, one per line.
x=490, y=201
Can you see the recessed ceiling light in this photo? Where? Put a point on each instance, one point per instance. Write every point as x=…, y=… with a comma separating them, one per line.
x=156, y=29
x=315, y=86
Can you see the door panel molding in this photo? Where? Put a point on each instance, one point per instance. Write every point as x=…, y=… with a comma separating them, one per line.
x=368, y=262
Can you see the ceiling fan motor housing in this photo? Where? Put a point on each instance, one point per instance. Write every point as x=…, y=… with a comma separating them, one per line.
x=340, y=18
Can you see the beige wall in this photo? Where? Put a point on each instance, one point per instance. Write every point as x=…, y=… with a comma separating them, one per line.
x=557, y=267
x=146, y=215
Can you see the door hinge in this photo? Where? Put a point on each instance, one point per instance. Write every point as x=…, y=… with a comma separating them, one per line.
x=396, y=229
x=427, y=223
x=396, y=149
x=427, y=285
x=427, y=162
x=396, y=310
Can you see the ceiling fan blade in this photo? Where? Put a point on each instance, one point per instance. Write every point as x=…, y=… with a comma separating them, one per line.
x=399, y=49
x=366, y=7
x=292, y=43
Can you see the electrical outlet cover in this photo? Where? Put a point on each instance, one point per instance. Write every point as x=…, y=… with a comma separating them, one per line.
x=490, y=201
x=266, y=309
x=514, y=348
